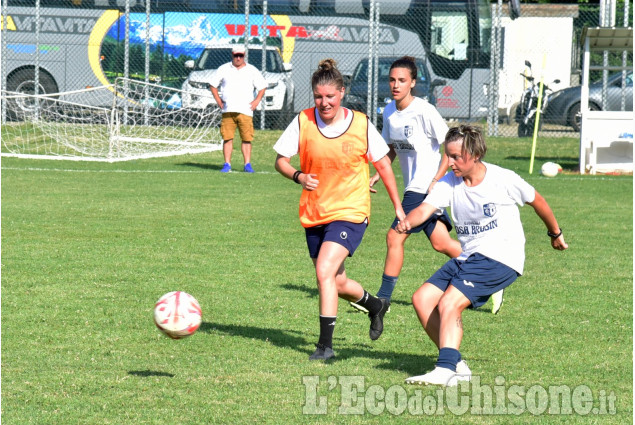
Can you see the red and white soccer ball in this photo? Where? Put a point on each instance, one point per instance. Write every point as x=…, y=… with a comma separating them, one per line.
x=177, y=314
x=550, y=169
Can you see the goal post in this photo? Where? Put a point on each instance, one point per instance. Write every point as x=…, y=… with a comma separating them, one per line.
x=124, y=121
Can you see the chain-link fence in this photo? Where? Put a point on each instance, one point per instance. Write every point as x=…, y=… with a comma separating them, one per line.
x=68, y=45
x=544, y=46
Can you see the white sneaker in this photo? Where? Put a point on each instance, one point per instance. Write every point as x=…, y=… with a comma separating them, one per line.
x=497, y=301
x=358, y=307
x=463, y=373
x=439, y=376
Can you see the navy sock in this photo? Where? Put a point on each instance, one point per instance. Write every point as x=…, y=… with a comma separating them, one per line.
x=327, y=326
x=372, y=304
x=448, y=358
x=387, y=286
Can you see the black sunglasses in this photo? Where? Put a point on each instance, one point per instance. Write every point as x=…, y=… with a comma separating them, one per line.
x=238, y=55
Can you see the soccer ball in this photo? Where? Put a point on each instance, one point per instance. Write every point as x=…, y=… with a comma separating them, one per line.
x=550, y=169
x=177, y=314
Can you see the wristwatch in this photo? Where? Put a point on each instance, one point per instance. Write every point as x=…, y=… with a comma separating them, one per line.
x=554, y=235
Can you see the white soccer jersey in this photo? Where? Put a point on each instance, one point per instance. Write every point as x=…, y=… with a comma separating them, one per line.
x=416, y=134
x=288, y=144
x=486, y=216
x=237, y=86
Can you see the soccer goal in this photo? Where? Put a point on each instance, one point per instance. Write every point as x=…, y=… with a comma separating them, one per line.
x=126, y=120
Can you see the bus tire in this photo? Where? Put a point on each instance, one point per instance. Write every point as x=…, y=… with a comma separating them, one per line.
x=23, y=81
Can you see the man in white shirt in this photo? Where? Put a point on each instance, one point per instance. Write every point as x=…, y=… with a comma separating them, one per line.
x=237, y=81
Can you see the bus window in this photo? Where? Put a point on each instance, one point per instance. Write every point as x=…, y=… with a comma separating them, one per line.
x=450, y=36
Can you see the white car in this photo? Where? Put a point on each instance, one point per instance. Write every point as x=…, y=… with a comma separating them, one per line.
x=278, y=98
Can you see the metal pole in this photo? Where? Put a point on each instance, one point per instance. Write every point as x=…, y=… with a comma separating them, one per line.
x=247, y=31
x=126, y=43
x=264, y=57
x=369, y=92
x=607, y=19
x=126, y=60
x=3, y=57
x=496, y=55
x=584, y=103
x=375, y=64
x=493, y=69
x=36, y=89
x=624, y=59
x=146, y=107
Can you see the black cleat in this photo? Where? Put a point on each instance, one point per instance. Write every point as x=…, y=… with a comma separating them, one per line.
x=377, y=320
x=322, y=353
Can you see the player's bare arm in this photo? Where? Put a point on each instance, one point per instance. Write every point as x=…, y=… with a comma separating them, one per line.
x=443, y=169
x=284, y=167
x=384, y=168
x=415, y=217
x=543, y=210
x=375, y=178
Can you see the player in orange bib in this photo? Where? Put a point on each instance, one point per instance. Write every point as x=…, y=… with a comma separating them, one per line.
x=335, y=146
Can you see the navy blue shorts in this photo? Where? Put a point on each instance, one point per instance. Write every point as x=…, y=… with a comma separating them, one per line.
x=412, y=200
x=345, y=233
x=477, y=278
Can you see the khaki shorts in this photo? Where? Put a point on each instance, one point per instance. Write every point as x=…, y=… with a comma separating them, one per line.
x=231, y=120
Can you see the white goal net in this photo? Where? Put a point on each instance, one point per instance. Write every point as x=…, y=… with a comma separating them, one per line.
x=123, y=121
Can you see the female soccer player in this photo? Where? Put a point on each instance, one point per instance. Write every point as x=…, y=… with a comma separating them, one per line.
x=483, y=198
x=335, y=145
x=414, y=130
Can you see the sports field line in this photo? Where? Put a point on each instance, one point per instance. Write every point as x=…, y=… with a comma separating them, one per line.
x=67, y=170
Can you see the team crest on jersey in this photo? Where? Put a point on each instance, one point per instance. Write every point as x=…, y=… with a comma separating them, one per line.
x=347, y=148
x=489, y=210
x=407, y=131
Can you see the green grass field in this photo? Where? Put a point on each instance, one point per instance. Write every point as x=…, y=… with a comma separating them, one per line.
x=87, y=248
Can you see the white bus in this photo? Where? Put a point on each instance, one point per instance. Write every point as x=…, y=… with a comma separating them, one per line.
x=80, y=43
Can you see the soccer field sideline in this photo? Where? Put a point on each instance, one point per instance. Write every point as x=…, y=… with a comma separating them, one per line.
x=139, y=171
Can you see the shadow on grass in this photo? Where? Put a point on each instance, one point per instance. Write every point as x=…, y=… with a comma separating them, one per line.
x=568, y=163
x=312, y=291
x=148, y=373
x=278, y=337
x=203, y=166
x=409, y=363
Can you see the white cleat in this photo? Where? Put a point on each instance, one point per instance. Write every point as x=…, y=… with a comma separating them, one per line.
x=439, y=376
x=463, y=373
x=497, y=301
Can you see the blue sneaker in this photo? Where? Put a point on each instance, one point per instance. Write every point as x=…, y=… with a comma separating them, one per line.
x=248, y=168
x=226, y=168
